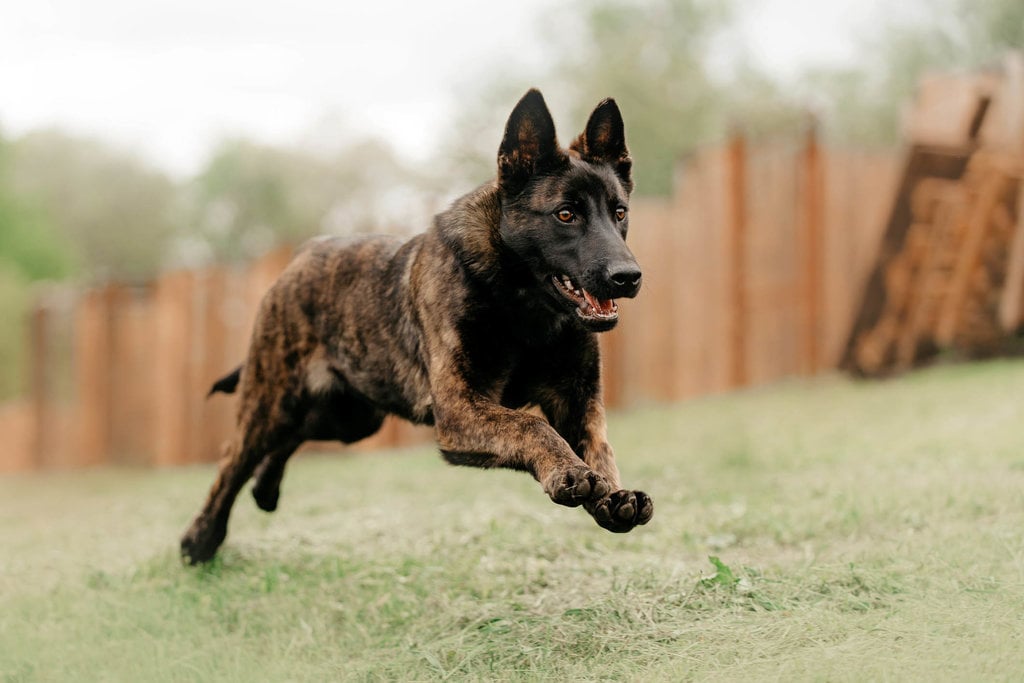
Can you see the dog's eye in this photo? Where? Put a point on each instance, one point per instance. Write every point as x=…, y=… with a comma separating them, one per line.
x=566, y=216
x=620, y=213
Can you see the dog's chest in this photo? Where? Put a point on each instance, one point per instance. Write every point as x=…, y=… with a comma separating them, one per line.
x=515, y=367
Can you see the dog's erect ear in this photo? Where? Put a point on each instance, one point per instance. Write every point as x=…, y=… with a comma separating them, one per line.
x=603, y=141
x=529, y=145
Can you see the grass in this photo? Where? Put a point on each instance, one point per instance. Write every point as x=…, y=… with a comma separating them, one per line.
x=856, y=531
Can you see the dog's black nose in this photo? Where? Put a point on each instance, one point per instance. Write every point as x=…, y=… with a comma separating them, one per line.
x=625, y=280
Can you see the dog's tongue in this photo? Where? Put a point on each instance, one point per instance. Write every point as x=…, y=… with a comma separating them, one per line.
x=602, y=306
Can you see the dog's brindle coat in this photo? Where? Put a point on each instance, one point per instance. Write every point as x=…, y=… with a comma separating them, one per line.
x=491, y=310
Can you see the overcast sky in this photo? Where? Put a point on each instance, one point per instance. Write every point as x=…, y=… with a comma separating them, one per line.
x=169, y=79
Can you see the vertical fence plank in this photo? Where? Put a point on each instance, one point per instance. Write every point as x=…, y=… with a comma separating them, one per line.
x=858, y=190
x=773, y=267
x=812, y=233
x=131, y=375
x=613, y=372
x=714, y=287
x=693, y=261
x=17, y=427
x=647, y=329
x=92, y=380
x=216, y=411
x=40, y=385
x=736, y=187
x=173, y=322
x=201, y=346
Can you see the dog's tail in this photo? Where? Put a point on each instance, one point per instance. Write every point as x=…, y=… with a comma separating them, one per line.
x=226, y=384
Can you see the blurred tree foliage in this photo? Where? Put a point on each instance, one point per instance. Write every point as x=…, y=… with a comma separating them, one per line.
x=861, y=104
x=74, y=206
x=29, y=248
x=71, y=207
x=469, y=149
x=657, y=58
x=117, y=216
x=991, y=27
x=653, y=57
x=29, y=251
x=250, y=197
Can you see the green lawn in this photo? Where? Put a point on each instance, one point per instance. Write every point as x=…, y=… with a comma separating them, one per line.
x=867, y=531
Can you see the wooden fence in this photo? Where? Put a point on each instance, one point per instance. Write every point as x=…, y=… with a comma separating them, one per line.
x=752, y=270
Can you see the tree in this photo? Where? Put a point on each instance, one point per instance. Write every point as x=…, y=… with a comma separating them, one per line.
x=29, y=252
x=241, y=200
x=469, y=147
x=29, y=249
x=116, y=215
x=990, y=28
x=861, y=104
x=250, y=196
x=652, y=57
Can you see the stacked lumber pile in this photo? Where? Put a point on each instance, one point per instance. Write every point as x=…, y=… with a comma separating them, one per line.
x=950, y=272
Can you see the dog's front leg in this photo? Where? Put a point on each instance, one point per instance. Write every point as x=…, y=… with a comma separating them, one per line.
x=622, y=509
x=580, y=419
x=475, y=430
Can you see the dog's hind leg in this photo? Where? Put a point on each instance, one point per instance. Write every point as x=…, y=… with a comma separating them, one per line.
x=210, y=526
x=334, y=416
x=253, y=440
x=266, y=489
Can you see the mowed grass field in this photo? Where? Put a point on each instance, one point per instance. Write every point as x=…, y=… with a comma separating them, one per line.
x=863, y=532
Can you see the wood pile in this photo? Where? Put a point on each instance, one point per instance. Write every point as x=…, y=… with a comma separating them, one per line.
x=950, y=272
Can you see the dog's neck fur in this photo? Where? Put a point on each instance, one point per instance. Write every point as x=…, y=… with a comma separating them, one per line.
x=470, y=227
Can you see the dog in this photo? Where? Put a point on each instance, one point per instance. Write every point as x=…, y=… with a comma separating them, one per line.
x=491, y=311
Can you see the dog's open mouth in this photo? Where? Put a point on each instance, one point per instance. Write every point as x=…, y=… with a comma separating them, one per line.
x=588, y=306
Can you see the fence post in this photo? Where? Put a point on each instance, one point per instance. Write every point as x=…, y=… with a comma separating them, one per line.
x=736, y=248
x=173, y=330
x=92, y=371
x=611, y=369
x=214, y=415
x=40, y=387
x=813, y=248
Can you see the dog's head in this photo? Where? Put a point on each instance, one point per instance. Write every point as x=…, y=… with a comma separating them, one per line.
x=565, y=213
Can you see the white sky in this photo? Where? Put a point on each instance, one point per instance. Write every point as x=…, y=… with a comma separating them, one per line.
x=169, y=78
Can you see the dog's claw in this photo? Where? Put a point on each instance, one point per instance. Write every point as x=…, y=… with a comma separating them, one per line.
x=622, y=510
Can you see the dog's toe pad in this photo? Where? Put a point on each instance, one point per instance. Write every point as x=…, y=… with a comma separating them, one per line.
x=577, y=485
x=622, y=510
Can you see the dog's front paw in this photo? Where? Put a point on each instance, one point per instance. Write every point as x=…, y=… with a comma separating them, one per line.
x=622, y=510
x=576, y=485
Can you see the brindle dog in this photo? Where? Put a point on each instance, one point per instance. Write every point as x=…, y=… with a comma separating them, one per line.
x=493, y=309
